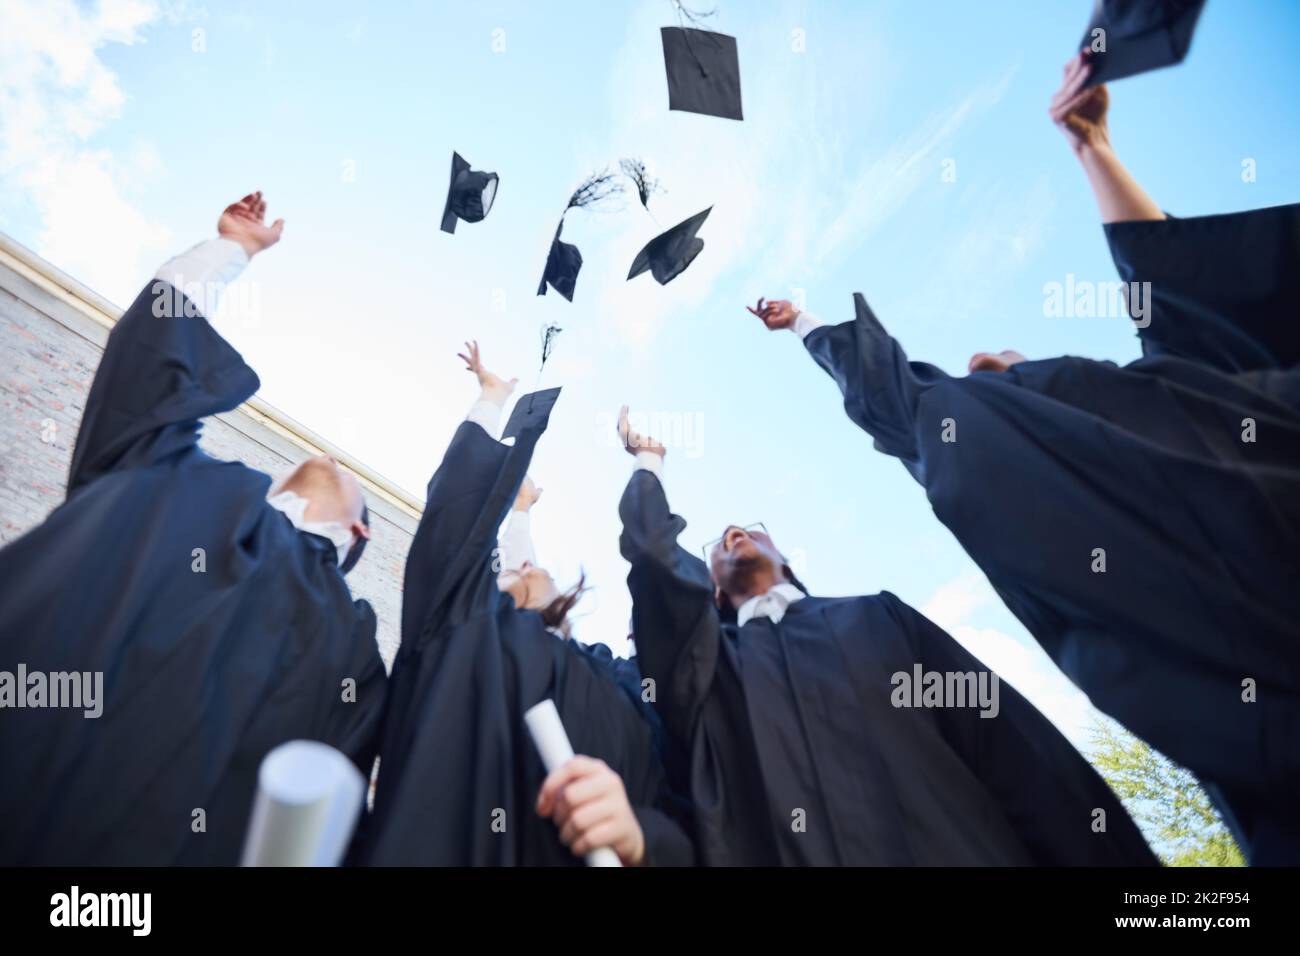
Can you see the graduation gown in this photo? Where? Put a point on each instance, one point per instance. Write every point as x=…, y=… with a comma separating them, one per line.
x=209, y=658
x=459, y=774
x=1225, y=289
x=1061, y=464
x=798, y=754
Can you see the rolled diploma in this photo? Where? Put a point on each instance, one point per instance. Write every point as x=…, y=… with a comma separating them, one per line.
x=308, y=799
x=552, y=742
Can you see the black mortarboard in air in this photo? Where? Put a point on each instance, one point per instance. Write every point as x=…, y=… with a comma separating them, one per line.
x=667, y=255
x=359, y=545
x=470, y=194
x=703, y=72
x=562, y=265
x=1140, y=35
x=531, y=411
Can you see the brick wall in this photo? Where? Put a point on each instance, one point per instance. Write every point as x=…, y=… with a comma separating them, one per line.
x=50, y=344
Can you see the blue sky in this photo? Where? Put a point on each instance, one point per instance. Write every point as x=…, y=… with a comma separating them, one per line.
x=120, y=143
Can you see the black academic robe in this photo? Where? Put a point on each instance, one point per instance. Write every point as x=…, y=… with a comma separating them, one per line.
x=626, y=675
x=1225, y=289
x=799, y=755
x=459, y=774
x=220, y=630
x=1063, y=467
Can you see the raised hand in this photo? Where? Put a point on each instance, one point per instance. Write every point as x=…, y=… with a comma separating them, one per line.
x=244, y=222
x=777, y=314
x=1081, y=113
x=634, y=442
x=994, y=361
x=494, y=387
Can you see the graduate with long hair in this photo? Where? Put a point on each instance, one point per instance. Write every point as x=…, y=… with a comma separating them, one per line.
x=460, y=781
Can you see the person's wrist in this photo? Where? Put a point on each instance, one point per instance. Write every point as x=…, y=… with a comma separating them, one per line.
x=1095, y=149
x=250, y=246
x=496, y=394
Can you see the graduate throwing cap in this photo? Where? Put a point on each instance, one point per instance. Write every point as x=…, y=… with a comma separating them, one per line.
x=485, y=637
x=207, y=609
x=812, y=738
x=1142, y=521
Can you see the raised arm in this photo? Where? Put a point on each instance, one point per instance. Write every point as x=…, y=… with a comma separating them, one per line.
x=516, y=546
x=881, y=388
x=676, y=623
x=452, y=565
x=165, y=367
x=1080, y=113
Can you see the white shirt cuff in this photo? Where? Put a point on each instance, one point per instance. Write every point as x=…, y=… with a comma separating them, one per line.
x=649, y=461
x=486, y=414
x=204, y=271
x=516, y=544
x=804, y=323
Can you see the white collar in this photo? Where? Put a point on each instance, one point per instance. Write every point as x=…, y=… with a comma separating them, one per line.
x=772, y=603
x=294, y=507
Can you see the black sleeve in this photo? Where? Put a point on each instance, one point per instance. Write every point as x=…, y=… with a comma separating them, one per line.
x=1223, y=290
x=1048, y=791
x=450, y=568
x=353, y=725
x=881, y=387
x=666, y=842
x=164, y=369
x=674, y=619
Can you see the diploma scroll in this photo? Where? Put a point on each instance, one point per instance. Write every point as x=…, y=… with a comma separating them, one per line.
x=308, y=798
x=552, y=742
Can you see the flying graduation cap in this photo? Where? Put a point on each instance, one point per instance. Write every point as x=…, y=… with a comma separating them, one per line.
x=703, y=72
x=564, y=261
x=562, y=265
x=1138, y=36
x=470, y=194
x=667, y=255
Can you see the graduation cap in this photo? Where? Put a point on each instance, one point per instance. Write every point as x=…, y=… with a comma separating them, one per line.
x=531, y=411
x=1138, y=36
x=358, y=546
x=470, y=194
x=703, y=72
x=562, y=265
x=564, y=260
x=667, y=255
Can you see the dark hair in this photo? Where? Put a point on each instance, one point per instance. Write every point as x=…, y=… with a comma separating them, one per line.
x=557, y=612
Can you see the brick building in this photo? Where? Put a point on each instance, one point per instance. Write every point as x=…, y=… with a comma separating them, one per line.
x=52, y=334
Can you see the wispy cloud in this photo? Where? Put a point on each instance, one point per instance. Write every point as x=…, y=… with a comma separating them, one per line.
x=55, y=94
x=880, y=188
x=784, y=205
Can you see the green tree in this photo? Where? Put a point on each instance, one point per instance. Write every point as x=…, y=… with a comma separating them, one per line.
x=1164, y=799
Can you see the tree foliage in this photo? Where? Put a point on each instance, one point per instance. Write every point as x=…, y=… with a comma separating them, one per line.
x=1165, y=800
